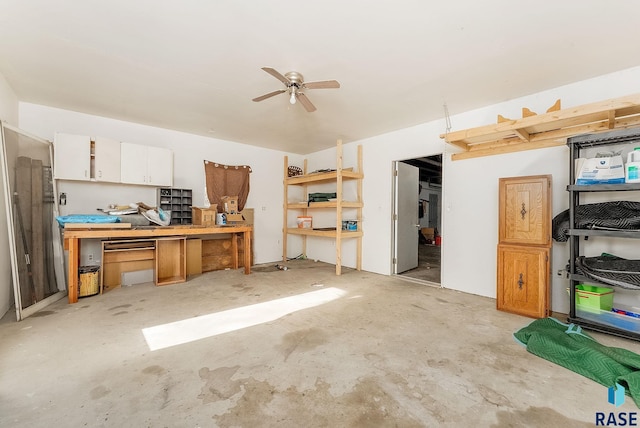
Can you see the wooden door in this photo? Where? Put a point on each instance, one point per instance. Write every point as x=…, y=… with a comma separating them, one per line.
x=523, y=280
x=524, y=245
x=525, y=210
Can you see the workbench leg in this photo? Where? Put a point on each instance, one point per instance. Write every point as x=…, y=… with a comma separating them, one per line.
x=247, y=252
x=234, y=250
x=74, y=263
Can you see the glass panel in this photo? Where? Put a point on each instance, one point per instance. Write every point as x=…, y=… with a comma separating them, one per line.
x=30, y=198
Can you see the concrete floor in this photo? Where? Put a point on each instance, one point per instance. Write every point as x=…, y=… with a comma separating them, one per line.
x=385, y=353
x=429, y=260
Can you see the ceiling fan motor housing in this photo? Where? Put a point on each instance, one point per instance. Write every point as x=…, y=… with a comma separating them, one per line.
x=295, y=79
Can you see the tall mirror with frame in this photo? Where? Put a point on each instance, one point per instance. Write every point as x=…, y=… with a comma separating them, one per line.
x=31, y=206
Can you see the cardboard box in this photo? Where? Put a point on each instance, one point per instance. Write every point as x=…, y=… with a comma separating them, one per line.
x=204, y=216
x=247, y=214
x=243, y=217
x=230, y=204
x=429, y=233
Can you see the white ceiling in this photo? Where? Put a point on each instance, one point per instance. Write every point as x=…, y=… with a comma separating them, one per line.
x=194, y=65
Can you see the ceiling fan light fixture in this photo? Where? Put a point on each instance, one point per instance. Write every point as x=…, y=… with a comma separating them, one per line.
x=294, y=84
x=292, y=99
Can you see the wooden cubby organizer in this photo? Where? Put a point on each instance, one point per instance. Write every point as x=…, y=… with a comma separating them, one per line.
x=337, y=176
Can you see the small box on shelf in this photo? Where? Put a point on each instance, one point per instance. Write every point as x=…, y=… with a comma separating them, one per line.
x=305, y=222
x=204, y=216
x=230, y=204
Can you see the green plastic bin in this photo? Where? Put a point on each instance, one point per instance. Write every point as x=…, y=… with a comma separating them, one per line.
x=594, y=298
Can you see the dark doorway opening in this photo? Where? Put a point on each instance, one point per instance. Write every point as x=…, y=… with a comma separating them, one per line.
x=430, y=219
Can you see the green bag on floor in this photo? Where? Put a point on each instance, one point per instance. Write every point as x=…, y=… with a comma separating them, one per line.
x=569, y=346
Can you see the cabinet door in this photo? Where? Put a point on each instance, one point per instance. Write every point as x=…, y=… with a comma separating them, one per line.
x=159, y=166
x=72, y=157
x=107, y=160
x=523, y=280
x=146, y=165
x=133, y=163
x=525, y=210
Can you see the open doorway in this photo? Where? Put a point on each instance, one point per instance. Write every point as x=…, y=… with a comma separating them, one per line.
x=418, y=219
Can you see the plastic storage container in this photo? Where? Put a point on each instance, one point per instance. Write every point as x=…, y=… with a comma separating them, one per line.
x=609, y=318
x=632, y=168
x=590, y=297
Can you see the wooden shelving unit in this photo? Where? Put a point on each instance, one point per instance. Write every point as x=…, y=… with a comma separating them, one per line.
x=339, y=176
x=549, y=129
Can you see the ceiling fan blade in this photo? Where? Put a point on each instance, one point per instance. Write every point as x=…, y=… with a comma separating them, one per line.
x=277, y=75
x=325, y=84
x=305, y=102
x=269, y=95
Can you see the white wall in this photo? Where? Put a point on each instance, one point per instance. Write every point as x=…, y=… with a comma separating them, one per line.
x=470, y=199
x=470, y=206
x=190, y=151
x=9, y=114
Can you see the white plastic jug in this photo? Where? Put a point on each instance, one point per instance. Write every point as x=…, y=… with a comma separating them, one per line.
x=632, y=168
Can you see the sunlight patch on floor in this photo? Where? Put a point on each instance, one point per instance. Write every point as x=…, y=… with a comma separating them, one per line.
x=189, y=330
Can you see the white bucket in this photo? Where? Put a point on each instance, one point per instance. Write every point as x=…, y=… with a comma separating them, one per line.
x=632, y=168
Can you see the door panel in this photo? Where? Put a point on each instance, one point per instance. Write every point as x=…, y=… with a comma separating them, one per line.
x=406, y=224
x=30, y=197
x=523, y=280
x=524, y=210
x=107, y=160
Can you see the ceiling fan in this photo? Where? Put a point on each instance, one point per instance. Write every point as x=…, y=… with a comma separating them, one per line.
x=295, y=85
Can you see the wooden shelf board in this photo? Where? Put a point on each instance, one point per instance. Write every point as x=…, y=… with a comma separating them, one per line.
x=171, y=280
x=545, y=130
x=323, y=177
x=324, y=233
x=303, y=205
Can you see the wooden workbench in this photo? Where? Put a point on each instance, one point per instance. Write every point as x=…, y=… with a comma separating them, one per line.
x=72, y=238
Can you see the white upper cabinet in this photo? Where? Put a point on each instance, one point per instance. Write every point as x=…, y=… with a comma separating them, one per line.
x=71, y=157
x=146, y=165
x=106, y=157
x=133, y=165
x=159, y=166
x=78, y=157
